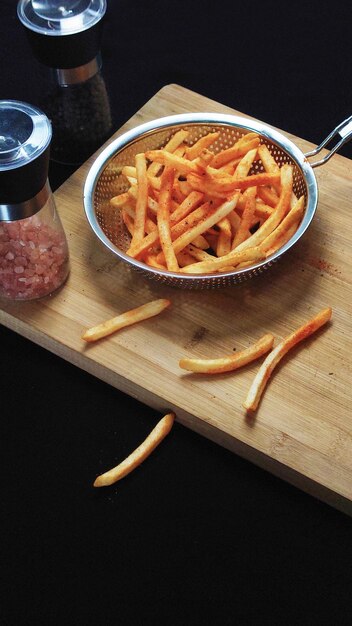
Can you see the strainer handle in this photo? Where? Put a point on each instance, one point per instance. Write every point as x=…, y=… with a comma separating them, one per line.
x=344, y=130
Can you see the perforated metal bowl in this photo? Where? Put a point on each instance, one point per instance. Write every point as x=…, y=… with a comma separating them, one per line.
x=104, y=181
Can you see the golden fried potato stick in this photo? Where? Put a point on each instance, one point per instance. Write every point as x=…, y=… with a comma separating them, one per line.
x=128, y=200
x=239, y=149
x=150, y=259
x=213, y=217
x=182, y=165
x=280, y=241
x=205, y=158
x=184, y=187
x=231, y=362
x=180, y=150
x=189, y=229
x=172, y=145
x=267, y=159
x=150, y=309
x=225, y=236
x=268, y=195
x=234, y=220
x=152, y=205
x=269, y=163
x=223, y=245
x=197, y=253
x=203, y=184
x=120, y=200
x=222, y=187
x=132, y=180
x=280, y=211
x=228, y=168
x=292, y=217
x=201, y=242
x=224, y=262
x=163, y=219
x=154, y=182
x=142, y=198
x=245, y=164
x=263, y=211
x=225, y=170
x=129, y=170
x=192, y=152
x=190, y=220
x=192, y=200
x=177, y=195
x=184, y=258
x=178, y=227
x=247, y=217
x=150, y=226
x=128, y=221
x=267, y=367
x=139, y=455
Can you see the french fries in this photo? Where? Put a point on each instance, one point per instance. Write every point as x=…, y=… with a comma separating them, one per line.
x=231, y=362
x=229, y=260
x=172, y=145
x=214, y=216
x=277, y=216
x=293, y=217
x=150, y=309
x=142, y=198
x=163, y=219
x=139, y=455
x=203, y=143
x=239, y=149
x=247, y=218
x=186, y=194
x=256, y=390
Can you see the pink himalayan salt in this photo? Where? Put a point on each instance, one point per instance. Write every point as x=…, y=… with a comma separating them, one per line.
x=33, y=259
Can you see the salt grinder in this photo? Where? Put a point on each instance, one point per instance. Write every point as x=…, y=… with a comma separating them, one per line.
x=65, y=36
x=34, y=257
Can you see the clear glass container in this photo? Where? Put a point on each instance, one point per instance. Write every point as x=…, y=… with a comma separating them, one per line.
x=65, y=36
x=34, y=255
x=81, y=117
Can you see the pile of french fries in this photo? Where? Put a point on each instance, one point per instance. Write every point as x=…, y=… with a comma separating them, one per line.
x=227, y=363
x=192, y=210
x=189, y=209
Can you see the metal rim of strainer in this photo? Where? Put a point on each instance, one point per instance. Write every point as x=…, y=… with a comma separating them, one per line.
x=173, y=122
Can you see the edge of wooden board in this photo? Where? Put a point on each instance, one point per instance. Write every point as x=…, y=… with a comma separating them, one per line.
x=202, y=428
x=252, y=454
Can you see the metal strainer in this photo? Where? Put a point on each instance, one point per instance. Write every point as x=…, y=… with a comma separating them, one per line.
x=104, y=181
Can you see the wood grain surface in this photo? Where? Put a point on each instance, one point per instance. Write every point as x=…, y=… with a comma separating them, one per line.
x=302, y=430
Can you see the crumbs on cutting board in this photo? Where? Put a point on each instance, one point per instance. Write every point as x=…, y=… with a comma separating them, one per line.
x=324, y=266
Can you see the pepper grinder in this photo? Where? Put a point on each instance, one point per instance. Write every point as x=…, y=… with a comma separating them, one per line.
x=34, y=257
x=65, y=36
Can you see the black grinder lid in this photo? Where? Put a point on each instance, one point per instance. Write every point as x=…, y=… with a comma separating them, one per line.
x=25, y=136
x=63, y=33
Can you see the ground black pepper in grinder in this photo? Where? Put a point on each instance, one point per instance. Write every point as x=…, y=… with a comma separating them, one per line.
x=65, y=36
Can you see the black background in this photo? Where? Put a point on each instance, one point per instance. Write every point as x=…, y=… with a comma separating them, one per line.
x=196, y=535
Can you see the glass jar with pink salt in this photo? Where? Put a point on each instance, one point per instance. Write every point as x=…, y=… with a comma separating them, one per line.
x=34, y=256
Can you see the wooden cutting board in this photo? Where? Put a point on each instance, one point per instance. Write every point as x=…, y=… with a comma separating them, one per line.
x=302, y=431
